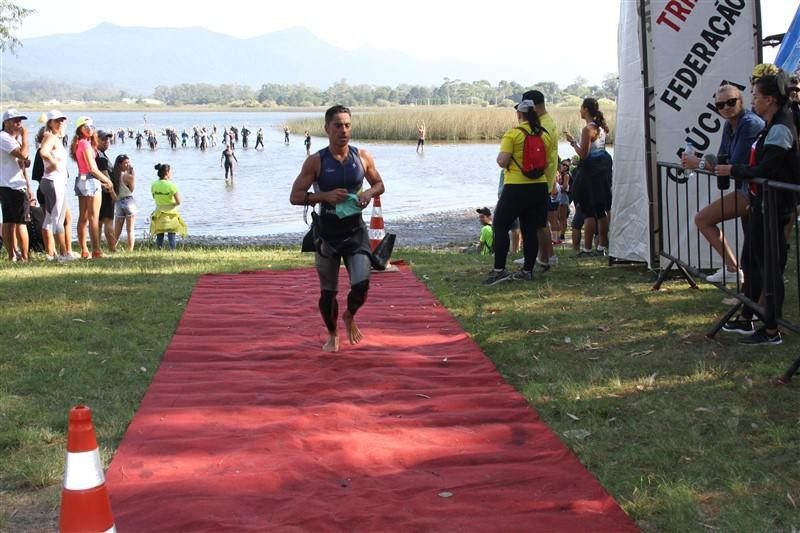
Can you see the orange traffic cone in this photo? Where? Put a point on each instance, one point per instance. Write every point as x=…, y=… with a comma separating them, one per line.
x=376, y=229
x=84, y=499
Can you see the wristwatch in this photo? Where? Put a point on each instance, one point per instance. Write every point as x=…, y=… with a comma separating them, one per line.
x=702, y=164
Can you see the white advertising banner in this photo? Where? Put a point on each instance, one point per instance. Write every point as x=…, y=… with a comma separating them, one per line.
x=629, y=232
x=698, y=45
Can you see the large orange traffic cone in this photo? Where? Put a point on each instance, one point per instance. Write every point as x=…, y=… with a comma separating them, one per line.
x=376, y=229
x=84, y=499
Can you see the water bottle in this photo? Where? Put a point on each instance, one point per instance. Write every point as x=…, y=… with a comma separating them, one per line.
x=689, y=150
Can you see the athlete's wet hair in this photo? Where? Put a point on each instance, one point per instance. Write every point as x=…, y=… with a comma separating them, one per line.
x=335, y=110
x=162, y=169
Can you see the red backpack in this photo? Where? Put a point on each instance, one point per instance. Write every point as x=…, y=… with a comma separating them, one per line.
x=534, y=155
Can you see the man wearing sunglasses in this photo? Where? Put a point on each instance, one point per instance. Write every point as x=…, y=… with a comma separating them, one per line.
x=740, y=131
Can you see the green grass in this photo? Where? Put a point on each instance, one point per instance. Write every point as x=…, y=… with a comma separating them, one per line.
x=448, y=123
x=688, y=434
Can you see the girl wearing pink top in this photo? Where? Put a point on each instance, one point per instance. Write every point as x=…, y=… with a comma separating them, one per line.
x=87, y=185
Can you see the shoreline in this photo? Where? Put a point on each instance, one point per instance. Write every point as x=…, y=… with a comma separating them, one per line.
x=437, y=229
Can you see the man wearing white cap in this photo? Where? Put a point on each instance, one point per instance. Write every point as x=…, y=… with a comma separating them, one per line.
x=15, y=187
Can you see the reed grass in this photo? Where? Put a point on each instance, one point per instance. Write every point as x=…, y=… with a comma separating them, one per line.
x=448, y=123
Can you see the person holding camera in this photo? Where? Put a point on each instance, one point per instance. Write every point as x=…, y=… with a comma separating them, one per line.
x=738, y=134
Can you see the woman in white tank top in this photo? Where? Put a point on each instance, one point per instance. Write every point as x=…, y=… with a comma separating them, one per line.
x=54, y=188
x=592, y=190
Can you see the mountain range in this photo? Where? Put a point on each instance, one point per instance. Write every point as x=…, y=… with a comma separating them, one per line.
x=137, y=59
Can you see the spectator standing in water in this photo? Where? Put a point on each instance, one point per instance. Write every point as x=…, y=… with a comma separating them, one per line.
x=337, y=173
x=420, y=137
x=286, y=135
x=259, y=139
x=307, y=143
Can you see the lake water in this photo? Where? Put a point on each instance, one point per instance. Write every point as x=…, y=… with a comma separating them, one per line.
x=446, y=177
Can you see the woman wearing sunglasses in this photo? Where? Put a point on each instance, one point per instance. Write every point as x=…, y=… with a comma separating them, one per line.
x=738, y=134
x=774, y=156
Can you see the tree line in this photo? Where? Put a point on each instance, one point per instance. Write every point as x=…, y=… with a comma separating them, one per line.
x=451, y=91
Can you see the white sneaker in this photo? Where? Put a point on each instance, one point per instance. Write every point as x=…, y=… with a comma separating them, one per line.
x=730, y=277
x=520, y=261
x=67, y=257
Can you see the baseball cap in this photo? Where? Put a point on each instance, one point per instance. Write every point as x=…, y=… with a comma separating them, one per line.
x=524, y=106
x=484, y=211
x=84, y=121
x=12, y=114
x=102, y=134
x=54, y=115
x=535, y=96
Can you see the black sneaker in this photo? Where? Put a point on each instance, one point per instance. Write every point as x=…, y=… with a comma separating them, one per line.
x=496, y=276
x=762, y=337
x=740, y=325
x=584, y=254
x=523, y=275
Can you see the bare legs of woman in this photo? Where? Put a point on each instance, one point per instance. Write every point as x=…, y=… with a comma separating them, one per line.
x=732, y=205
x=89, y=210
x=130, y=223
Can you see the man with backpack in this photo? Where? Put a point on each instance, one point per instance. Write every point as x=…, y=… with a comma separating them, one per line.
x=547, y=257
x=523, y=155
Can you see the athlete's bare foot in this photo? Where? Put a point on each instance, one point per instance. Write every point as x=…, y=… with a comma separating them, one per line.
x=332, y=344
x=354, y=334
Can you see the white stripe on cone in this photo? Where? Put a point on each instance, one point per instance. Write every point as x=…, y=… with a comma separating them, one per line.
x=83, y=471
x=377, y=211
x=376, y=234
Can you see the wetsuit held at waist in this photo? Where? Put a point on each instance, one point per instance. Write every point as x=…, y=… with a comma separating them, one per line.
x=347, y=174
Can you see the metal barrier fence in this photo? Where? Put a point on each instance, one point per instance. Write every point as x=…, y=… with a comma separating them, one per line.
x=682, y=246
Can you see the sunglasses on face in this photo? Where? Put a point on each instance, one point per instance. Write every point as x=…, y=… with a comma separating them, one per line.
x=730, y=102
x=794, y=89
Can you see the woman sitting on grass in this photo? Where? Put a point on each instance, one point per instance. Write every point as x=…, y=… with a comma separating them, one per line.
x=166, y=219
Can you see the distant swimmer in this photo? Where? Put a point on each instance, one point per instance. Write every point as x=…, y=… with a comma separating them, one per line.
x=227, y=161
x=421, y=137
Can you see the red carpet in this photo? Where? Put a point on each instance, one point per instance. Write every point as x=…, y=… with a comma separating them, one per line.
x=249, y=426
